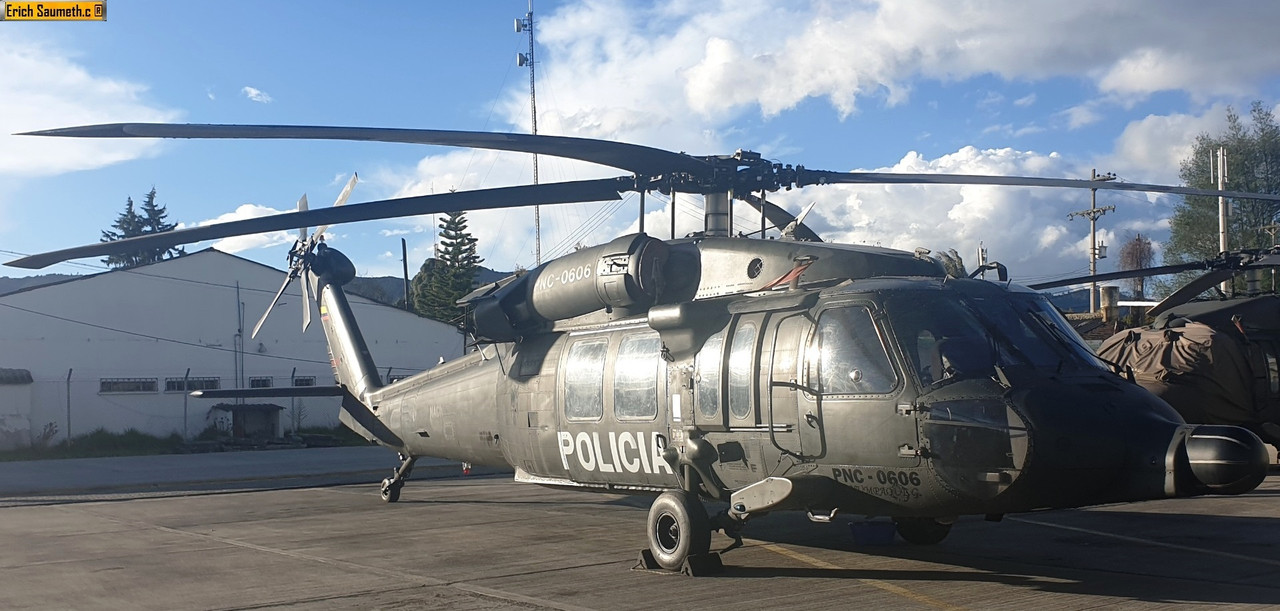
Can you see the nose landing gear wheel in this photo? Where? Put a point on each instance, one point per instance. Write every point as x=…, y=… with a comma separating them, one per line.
x=921, y=531
x=678, y=528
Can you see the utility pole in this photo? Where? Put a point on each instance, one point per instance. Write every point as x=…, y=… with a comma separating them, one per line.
x=522, y=60
x=1222, y=211
x=1271, y=230
x=1096, y=251
x=404, y=258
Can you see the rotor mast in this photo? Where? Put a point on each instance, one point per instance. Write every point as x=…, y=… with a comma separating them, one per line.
x=526, y=24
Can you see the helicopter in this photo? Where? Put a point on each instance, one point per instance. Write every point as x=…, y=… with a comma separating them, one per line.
x=763, y=375
x=1214, y=360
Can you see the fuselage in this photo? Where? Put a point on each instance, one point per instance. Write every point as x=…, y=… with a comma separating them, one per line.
x=904, y=396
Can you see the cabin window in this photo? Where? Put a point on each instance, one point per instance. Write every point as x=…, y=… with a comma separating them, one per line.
x=635, y=377
x=584, y=380
x=850, y=357
x=741, y=353
x=707, y=379
x=1273, y=367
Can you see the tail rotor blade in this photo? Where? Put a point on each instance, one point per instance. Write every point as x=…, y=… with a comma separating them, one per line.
x=302, y=206
x=287, y=279
x=342, y=199
x=306, y=300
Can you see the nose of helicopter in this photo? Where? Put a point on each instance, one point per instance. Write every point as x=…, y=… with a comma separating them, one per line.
x=1221, y=460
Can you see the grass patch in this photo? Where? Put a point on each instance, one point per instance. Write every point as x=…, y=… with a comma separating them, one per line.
x=101, y=444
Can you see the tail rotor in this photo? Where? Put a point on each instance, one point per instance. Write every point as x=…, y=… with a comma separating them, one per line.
x=301, y=257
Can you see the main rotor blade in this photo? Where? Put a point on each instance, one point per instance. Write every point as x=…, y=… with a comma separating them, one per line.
x=779, y=217
x=1191, y=289
x=805, y=177
x=631, y=157
x=1124, y=274
x=604, y=189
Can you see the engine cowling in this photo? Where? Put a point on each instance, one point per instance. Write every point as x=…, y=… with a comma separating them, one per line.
x=626, y=273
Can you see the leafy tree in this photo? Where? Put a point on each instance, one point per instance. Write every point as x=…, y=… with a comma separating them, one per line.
x=1253, y=164
x=442, y=280
x=952, y=263
x=131, y=224
x=1137, y=253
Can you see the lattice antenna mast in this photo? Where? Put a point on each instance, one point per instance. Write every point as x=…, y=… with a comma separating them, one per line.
x=526, y=25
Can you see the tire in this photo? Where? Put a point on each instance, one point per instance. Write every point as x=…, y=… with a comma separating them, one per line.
x=390, y=492
x=678, y=528
x=921, y=531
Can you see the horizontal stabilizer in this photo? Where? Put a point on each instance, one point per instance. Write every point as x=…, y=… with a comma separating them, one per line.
x=280, y=392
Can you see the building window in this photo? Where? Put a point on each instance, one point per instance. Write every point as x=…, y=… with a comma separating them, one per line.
x=111, y=385
x=304, y=381
x=261, y=382
x=175, y=384
x=397, y=377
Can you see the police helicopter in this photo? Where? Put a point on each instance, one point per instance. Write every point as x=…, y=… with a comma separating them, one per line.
x=765, y=375
x=1215, y=360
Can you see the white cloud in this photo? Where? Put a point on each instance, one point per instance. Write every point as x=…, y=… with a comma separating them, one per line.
x=846, y=51
x=41, y=87
x=686, y=77
x=248, y=242
x=256, y=95
x=1154, y=147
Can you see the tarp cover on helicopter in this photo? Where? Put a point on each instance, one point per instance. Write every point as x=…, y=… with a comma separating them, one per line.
x=1201, y=372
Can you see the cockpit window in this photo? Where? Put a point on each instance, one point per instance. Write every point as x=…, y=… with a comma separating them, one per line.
x=849, y=354
x=949, y=336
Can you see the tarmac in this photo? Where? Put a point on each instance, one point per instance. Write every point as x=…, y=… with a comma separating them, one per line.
x=304, y=529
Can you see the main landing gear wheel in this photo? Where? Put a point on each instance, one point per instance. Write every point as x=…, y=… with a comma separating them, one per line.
x=922, y=531
x=678, y=528
x=391, y=490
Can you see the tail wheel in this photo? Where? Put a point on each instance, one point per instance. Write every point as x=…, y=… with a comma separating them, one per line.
x=390, y=490
x=678, y=528
x=921, y=531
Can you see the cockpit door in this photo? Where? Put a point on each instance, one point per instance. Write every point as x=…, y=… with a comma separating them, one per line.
x=857, y=406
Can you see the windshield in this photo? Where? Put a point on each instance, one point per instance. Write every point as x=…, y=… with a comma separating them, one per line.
x=947, y=336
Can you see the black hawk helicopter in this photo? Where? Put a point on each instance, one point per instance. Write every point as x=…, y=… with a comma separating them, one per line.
x=769, y=375
x=1216, y=360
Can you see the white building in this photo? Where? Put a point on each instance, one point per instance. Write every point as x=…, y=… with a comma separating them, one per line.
x=111, y=350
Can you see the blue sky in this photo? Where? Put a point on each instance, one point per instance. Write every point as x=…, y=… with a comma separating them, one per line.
x=1032, y=88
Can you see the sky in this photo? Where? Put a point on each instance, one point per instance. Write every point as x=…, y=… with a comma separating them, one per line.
x=1036, y=88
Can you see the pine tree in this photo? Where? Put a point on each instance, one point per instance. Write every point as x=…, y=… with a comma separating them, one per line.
x=441, y=281
x=131, y=224
x=127, y=225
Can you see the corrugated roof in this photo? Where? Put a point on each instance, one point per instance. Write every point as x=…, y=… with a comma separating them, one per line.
x=15, y=376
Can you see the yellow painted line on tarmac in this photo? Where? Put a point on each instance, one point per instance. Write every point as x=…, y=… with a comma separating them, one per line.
x=876, y=583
